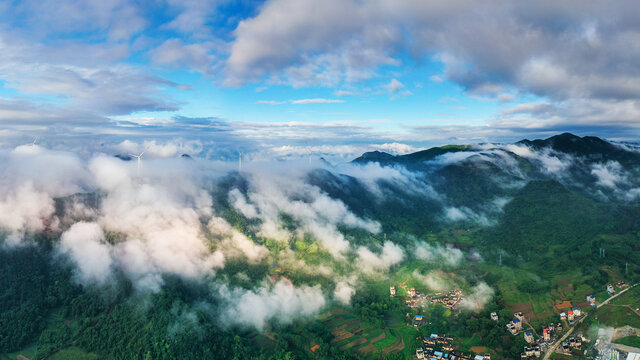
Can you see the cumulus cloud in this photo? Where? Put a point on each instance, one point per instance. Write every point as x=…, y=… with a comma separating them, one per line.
x=153, y=216
x=323, y=43
x=281, y=301
x=432, y=280
x=27, y=197
x=271, y=195
x=396, y=88
x=230, y=238
x=389, y=255
x=343, y=292
x=24, y=210
x=85, y=245
x=449, y=254
x=480, y=295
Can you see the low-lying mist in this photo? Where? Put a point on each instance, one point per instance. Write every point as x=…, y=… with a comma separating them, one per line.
x=320, y=230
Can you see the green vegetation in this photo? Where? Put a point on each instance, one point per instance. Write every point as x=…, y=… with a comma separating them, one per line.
x=73, y=353
x=629, y=341
x=539, y=251
x=617, y=316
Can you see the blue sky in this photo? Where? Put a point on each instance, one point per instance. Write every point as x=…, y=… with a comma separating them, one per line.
x=339, y=76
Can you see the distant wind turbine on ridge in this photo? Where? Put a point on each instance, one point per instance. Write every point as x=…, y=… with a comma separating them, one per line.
x=310, y=154
x=139, y=160
x=35, y=140
x=239, y=161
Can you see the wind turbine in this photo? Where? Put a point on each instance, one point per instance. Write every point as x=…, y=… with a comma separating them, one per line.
x=35, y=140
x=310, y=154
x=239, y=161
x=139, y=160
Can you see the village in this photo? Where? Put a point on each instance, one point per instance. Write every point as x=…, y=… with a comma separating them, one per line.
x=436, y=347
x=441, y=347
x=416, y=299
x=550, y=333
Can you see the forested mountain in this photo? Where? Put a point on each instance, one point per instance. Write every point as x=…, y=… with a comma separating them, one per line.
x=244, y=264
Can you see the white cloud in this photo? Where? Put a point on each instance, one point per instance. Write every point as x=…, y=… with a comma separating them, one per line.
x=449, y=254
x=550, y=161
x=343, y=292
x=281, y=301
x=480, y=295
x=397, y=148
x=431, y=280
x=395, y=87
x=609, y=174
x=84, y=243
x=175, y=52
x=271, y=193
x=24, y=210
x=390, y=254
x=316, y=101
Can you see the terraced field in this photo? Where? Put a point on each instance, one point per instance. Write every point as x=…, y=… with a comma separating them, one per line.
x=352, y=333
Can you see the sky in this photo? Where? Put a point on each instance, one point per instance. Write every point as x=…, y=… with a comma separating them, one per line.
x=335, y=77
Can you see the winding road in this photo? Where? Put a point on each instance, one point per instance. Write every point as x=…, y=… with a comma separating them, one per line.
x=552, y=349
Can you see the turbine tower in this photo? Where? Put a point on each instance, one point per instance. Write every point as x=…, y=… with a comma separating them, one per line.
x=35, y=140
x=310, y=154
x=139, y=160
x=239, y=161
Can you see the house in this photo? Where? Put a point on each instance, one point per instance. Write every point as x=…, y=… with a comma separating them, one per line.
x=552, y=326
x=517, y=323
x=392, y=291
x=418, y=320
x=494, y=316
x=546, y=335
x=519, y=316
x=478, y=357
x=613, y=355
x=528, y=337
x=429, y=342
x=610, y=289
x=437, y=354
x=577, y=311
x=563, y=316
x=591, y=300
x=487, y=356
x=559, y=327
x=412, y=292
x=536, y=351
x=528, y=350
x=512, y=328
x=570, y=315
x=633, y=356
x=523, y=356
x=420, y=353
